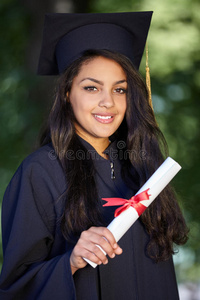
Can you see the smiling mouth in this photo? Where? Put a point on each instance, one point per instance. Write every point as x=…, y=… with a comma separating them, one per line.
x=104, y=119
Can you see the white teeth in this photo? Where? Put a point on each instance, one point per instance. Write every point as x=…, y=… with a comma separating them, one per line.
x=103, y=117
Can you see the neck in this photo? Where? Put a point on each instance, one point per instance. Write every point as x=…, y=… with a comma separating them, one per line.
x=99, y=144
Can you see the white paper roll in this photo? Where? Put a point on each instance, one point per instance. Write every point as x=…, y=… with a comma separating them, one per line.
x=156, y=183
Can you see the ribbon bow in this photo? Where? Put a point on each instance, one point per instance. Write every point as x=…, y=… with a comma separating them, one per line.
x=134, y=201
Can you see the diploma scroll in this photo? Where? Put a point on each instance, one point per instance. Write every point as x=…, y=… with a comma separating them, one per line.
x=155, y=184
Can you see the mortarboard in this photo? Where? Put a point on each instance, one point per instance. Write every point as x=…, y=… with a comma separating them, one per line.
x=66, y=36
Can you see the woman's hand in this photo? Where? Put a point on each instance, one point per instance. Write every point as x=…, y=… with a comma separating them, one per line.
x=87, y=247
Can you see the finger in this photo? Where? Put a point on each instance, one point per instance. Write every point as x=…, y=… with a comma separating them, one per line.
x=95, y=259
x=87, y=248
x=96, y=250
x=106, y=233
x=94, y=238
x=119, y=250
x=79, y=252
x=108, y=236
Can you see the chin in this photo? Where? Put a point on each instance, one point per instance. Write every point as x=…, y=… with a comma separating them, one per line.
x=106, y=132
x=105, y=135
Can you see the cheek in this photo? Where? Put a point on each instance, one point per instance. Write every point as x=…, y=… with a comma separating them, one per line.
x=122, y=106
x=75, y=103
x=82, y=102
x=80, y=107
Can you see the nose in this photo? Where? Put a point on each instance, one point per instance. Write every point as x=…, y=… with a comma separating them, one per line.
x=106, y=100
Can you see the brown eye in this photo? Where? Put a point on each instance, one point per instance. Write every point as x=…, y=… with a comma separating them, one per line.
x=90, y=88
x=120, y=91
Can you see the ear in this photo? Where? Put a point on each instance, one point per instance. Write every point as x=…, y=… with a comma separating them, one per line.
x=67, y=97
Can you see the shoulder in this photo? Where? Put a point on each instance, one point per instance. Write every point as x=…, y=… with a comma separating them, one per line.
x=44, y=156
x=42, y=167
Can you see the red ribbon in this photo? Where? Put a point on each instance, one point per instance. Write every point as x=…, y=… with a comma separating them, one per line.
x=134, y=202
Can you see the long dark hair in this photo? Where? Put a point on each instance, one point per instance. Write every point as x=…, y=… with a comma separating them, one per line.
x=163, y=220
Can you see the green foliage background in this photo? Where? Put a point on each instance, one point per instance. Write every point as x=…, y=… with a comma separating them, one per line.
x=174, y=60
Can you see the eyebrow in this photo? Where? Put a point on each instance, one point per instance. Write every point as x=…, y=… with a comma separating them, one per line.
x=101, y=82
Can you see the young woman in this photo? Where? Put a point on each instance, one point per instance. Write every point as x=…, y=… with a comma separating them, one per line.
x=101, y=140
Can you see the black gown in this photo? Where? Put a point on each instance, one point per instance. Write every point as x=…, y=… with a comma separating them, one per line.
x=36, y=256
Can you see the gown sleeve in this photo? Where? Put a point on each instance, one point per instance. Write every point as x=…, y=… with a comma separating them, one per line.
x=28, y=233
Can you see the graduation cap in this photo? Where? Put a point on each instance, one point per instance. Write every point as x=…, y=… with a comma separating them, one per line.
x=66, y=36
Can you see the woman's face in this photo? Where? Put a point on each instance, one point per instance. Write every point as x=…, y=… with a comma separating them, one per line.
x=98, y=98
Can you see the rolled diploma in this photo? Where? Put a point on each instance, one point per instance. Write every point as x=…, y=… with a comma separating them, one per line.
x=156, y=183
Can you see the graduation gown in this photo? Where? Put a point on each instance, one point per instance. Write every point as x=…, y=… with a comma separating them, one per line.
x=36, y=256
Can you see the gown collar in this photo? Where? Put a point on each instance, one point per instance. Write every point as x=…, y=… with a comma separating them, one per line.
x=111, y=150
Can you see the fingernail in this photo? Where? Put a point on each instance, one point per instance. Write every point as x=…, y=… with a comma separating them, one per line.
x=115, y=246
x=113, y=255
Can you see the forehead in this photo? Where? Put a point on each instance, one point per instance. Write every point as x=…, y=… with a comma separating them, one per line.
x=101, y=65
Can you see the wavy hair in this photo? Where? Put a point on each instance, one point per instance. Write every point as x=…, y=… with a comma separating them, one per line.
x=163, y=220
